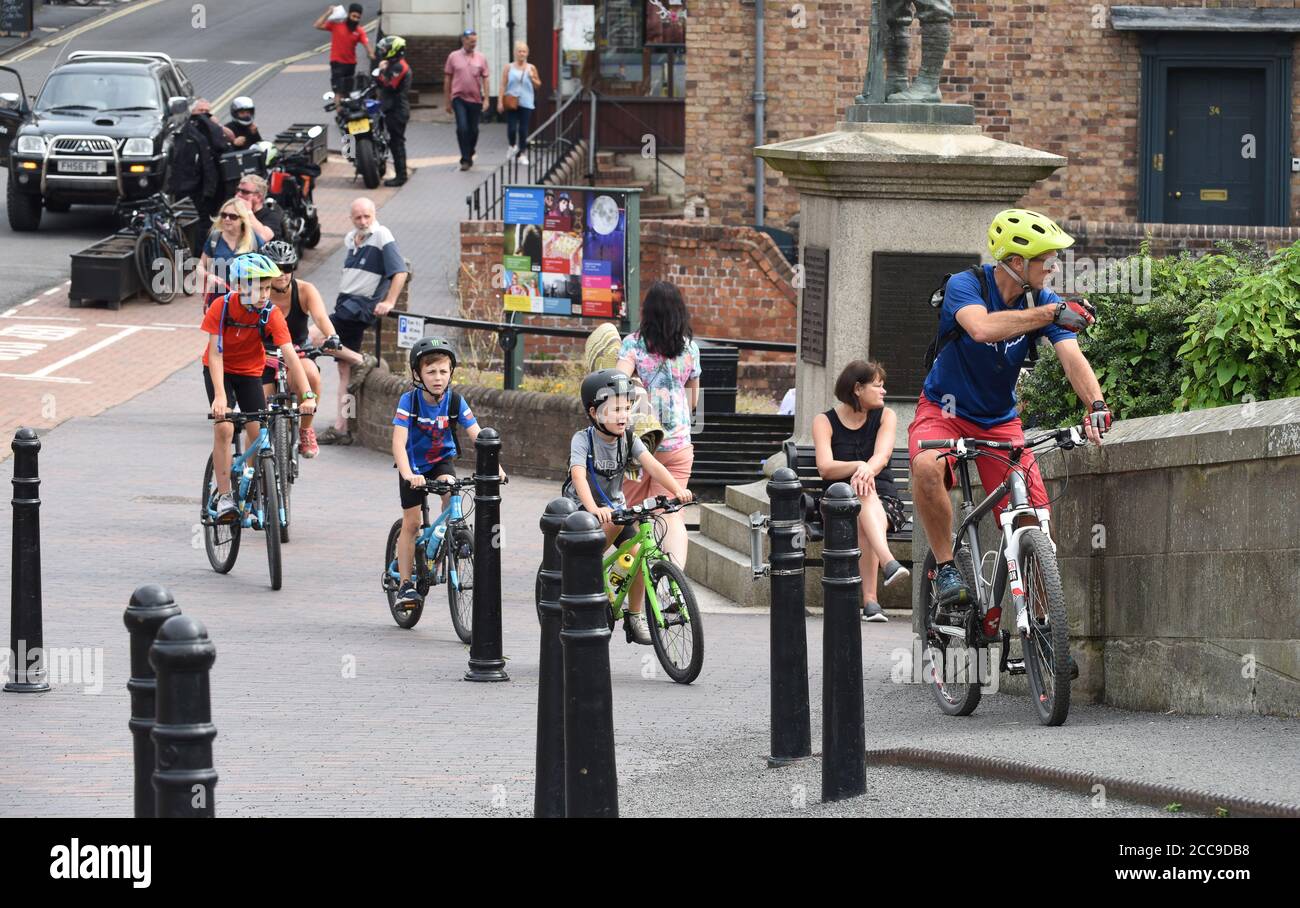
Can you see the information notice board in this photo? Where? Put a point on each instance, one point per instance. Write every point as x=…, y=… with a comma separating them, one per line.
x=566, y=251
x=16, y=16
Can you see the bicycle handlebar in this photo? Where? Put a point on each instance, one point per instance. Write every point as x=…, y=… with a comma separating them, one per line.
x=239, y=417
x=446, y=486
x=1066, y=438
x=637, y=512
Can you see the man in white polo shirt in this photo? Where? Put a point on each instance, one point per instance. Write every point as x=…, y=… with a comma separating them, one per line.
x=374, y=273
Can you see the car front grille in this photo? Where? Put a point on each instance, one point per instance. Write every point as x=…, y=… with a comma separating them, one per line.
x=82, y=146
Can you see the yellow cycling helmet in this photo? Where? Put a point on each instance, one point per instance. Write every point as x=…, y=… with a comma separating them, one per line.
x=1028, y=233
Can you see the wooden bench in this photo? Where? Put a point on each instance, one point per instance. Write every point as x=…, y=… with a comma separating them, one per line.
x=803, y=460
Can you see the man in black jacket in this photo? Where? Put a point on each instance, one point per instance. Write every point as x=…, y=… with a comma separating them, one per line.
x=195, y=168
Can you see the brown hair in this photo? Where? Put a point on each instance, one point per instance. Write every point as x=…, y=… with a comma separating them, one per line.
x=858, y=372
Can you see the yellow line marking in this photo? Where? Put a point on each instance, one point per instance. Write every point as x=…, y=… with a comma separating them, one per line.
x=66, y=36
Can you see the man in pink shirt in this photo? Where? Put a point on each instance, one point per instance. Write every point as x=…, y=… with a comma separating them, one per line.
x=466, y=84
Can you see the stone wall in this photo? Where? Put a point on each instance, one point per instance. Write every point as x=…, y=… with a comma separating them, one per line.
x=535, y=428
x=735, y=280
x=1037, y=74
x=1178, y=542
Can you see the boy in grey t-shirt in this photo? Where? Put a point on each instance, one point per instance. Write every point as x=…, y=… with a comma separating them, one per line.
x=598, y=456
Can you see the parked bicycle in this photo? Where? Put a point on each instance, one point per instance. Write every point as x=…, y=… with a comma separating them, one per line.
x=957, y=643
x=256, y=487
x=160, y=246
x=444, y=553
x=676, y=630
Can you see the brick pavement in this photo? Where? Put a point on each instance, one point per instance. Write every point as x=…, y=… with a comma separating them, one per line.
x=406, y=736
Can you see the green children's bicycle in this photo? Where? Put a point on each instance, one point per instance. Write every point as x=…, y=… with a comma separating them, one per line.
x=676, y=630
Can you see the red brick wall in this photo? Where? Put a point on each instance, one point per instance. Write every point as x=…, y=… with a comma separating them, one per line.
x=1110, y=240
x=735, y=281
x=1038, y=74
x=428, y=55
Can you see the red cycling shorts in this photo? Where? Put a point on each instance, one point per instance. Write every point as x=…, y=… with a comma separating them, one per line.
x=932, y=423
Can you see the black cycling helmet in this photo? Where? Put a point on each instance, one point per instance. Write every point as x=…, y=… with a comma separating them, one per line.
x=599, y=387
x=427, y=346
x=282, y=253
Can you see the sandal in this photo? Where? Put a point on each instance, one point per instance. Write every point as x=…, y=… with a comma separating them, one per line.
x=333, y=436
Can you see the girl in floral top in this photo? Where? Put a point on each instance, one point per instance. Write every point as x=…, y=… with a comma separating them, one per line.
x=666, y=359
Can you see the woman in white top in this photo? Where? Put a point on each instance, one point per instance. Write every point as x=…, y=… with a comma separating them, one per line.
x=517, y=97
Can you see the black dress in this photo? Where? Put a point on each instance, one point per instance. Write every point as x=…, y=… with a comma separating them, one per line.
x=860, y=444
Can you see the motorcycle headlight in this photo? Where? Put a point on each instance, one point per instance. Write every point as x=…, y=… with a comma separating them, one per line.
x=138, y=147
x=31, y=145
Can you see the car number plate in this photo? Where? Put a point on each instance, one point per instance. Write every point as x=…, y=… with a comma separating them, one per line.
x=356, y=126
x=83, y=166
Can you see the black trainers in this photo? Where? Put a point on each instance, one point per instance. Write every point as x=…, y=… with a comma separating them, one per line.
x=895, y=571
x=871, y=611
x=408, y=595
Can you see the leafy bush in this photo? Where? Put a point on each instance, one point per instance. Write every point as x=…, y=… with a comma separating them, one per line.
x=1212, y=330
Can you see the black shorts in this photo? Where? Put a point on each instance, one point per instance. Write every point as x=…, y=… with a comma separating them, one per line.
x=895, y=512
x=350, y=333
x=243, y=391
x=411, y=498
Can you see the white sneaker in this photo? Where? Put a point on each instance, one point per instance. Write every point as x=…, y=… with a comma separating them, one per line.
x=640, y=629
x=523, y=159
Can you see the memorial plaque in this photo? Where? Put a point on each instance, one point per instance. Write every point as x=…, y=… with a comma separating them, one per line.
x=902, y=322
x=812, y=324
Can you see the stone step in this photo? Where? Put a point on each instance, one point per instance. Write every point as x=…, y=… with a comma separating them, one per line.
x=728, y=527
x=606, y=158
x=725, y=572
x=618, y=175
x=748, y=498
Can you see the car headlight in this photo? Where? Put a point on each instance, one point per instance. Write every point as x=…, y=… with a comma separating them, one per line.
x=31, y=145
x=138, y=147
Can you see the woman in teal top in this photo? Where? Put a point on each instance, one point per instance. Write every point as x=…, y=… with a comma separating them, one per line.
x=519, y=80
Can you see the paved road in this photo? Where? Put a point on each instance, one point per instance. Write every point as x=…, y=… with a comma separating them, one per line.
x=238, y=36
x=406, y=736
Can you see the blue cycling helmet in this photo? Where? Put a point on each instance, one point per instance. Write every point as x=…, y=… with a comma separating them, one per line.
x=251, y=265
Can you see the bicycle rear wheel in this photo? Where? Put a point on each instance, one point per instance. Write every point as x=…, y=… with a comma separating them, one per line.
x=946, y=660
x=679, y=640
x=1047, y=645
x=271, y=518
x=391, y=581
x=221, y=540
x=460, y=582
x=154, y=264
x=284, y=469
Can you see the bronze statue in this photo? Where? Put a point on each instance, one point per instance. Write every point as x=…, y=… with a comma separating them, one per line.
x=891, y=22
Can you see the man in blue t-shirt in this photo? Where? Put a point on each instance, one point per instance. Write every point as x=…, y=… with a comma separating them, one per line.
x=989, y=319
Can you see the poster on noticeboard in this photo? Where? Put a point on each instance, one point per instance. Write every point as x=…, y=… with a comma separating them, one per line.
x=565, y=251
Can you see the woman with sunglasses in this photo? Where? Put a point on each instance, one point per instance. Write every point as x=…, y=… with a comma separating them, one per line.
x=298, y=301
x=233, y=233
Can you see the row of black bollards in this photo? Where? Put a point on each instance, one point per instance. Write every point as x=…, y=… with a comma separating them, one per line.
x=576, y=772
x=171, y=711
x=843, y=716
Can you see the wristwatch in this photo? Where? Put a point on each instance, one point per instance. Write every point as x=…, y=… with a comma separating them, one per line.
x=310, y=395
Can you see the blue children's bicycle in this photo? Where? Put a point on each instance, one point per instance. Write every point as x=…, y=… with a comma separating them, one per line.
x=254, y=482
x=444, y=553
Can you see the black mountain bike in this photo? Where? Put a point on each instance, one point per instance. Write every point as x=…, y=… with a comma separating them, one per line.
x=957, y=655
x=160, y=247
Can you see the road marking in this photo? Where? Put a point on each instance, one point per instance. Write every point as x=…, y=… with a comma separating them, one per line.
x=48, y=378
x=43, y=318
x=136, y=327
x=66, y=36
x=93, y=348
x=40, y=332
x=177, y=325
x=53, y=290
x=189, y=59
x=29, y=302
x=241, y=62
x=12, y=350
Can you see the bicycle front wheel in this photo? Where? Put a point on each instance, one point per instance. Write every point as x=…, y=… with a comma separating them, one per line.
x=220, y=539
x=284, y=469
x=460, y=581
x=946, y=665
x=1047, y=645
x=678, y=632
x=406, y=618
x=271, y=519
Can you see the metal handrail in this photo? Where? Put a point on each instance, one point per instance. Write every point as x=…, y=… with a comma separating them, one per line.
x=658, y=161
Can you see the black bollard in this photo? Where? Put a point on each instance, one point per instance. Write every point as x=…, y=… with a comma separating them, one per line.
x=26, y=638
x=548, y=792
x=150, y=606
x=844, y=743
x=486, y=662
x=788, y=648
x=590, y=780
x=184, y=780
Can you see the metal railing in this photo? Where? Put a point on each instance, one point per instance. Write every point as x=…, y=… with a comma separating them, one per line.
x=636, y=140
x=548, y=145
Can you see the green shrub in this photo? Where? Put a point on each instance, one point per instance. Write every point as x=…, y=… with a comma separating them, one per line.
x=1212, y=329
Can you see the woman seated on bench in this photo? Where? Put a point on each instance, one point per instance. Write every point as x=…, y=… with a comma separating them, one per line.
x=854, y=440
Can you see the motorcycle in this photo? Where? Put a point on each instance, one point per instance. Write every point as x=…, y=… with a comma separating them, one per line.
x=360, y=119
x=291, y=181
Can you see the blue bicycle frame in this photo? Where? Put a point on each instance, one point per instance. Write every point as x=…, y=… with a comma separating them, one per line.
x=242, y=473
x=428, y=544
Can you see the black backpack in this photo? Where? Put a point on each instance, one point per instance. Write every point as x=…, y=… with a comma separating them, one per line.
x=192, y=168
x=942, y=340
